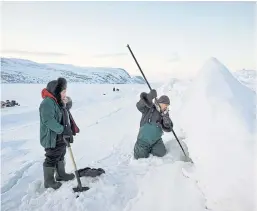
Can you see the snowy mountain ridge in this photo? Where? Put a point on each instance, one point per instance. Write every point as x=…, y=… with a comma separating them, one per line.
x=25, y=71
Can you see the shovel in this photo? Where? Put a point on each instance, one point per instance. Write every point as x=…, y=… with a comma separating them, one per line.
x=79, y=188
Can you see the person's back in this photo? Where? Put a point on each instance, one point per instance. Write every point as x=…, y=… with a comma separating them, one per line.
x=153, y=122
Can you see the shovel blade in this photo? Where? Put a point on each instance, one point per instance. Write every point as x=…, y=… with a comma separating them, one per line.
x=80, y=189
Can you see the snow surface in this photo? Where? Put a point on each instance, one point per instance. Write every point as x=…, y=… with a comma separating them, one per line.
x=25, y=71
x=213, y=114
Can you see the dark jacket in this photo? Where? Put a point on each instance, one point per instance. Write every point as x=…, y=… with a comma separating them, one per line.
x=51, y=115
x=150, y=112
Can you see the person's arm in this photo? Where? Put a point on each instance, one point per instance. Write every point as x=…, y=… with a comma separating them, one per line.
x=48, y=119
x=141, y=106
x=145, y=101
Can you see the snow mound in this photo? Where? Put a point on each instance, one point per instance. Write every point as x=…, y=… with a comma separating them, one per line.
x=218, y=117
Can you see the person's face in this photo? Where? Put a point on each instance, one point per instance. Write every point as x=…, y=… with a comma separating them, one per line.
x=63, y=94
x=163, y=106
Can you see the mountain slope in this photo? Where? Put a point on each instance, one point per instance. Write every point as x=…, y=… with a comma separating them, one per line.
x=25, y=71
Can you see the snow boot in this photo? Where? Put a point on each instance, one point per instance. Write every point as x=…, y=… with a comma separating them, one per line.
x=61, y=175
x=49, y=181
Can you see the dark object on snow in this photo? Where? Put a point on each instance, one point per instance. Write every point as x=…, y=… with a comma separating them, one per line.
x=117, y=90
x=9, y=104
x=90, y=172
x=104, y=94
x=3, y=104
x=79, y=188
x=157, y=101
x=113, y=89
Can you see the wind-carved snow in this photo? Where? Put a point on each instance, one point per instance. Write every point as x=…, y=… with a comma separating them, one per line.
x=25, y=71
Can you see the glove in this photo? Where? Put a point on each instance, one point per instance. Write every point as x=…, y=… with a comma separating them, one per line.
x=68, y=140
x=152, y=94
x=67, y=103
x=67, y=131
x=166, y=121
x=67, y=135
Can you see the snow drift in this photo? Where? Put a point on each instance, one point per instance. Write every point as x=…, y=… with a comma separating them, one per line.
x=218, y=117
x=25, y=71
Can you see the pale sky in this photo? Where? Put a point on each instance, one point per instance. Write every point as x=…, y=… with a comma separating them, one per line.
x=168, y=38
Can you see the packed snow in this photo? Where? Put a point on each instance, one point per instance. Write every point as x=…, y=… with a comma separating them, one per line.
x=25, y=71
x=213, y=116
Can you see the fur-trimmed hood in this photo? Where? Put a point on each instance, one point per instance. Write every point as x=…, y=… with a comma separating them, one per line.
x=54, y=89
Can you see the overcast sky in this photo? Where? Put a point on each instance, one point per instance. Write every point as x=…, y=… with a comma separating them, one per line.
x=168, y=38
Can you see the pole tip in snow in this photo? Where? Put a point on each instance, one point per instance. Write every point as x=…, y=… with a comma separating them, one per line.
x=188, y=159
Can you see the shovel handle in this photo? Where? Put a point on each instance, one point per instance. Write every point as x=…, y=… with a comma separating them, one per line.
x=75, y=167
x=76, y=171
x=72, y=158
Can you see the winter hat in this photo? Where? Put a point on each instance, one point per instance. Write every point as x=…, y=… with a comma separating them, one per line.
x=164, y=99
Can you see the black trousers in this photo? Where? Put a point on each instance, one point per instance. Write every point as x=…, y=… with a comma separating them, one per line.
x=54, y=155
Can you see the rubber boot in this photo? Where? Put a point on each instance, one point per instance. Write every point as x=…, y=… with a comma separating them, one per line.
x=49, y=181
x=61, y=175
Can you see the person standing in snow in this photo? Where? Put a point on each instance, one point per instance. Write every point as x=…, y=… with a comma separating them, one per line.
x=56, y=122
x=155, y=119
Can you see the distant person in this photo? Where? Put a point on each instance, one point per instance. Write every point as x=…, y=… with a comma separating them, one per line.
x=153, y=122
x=113, y=89
x=55, y=122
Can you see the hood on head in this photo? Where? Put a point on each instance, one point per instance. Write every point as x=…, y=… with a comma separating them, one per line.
x=54, y=89
x=45, y=93
x=57, y=86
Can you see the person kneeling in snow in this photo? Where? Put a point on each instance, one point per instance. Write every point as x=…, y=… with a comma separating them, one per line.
x=154, y=121
x=55, y=122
